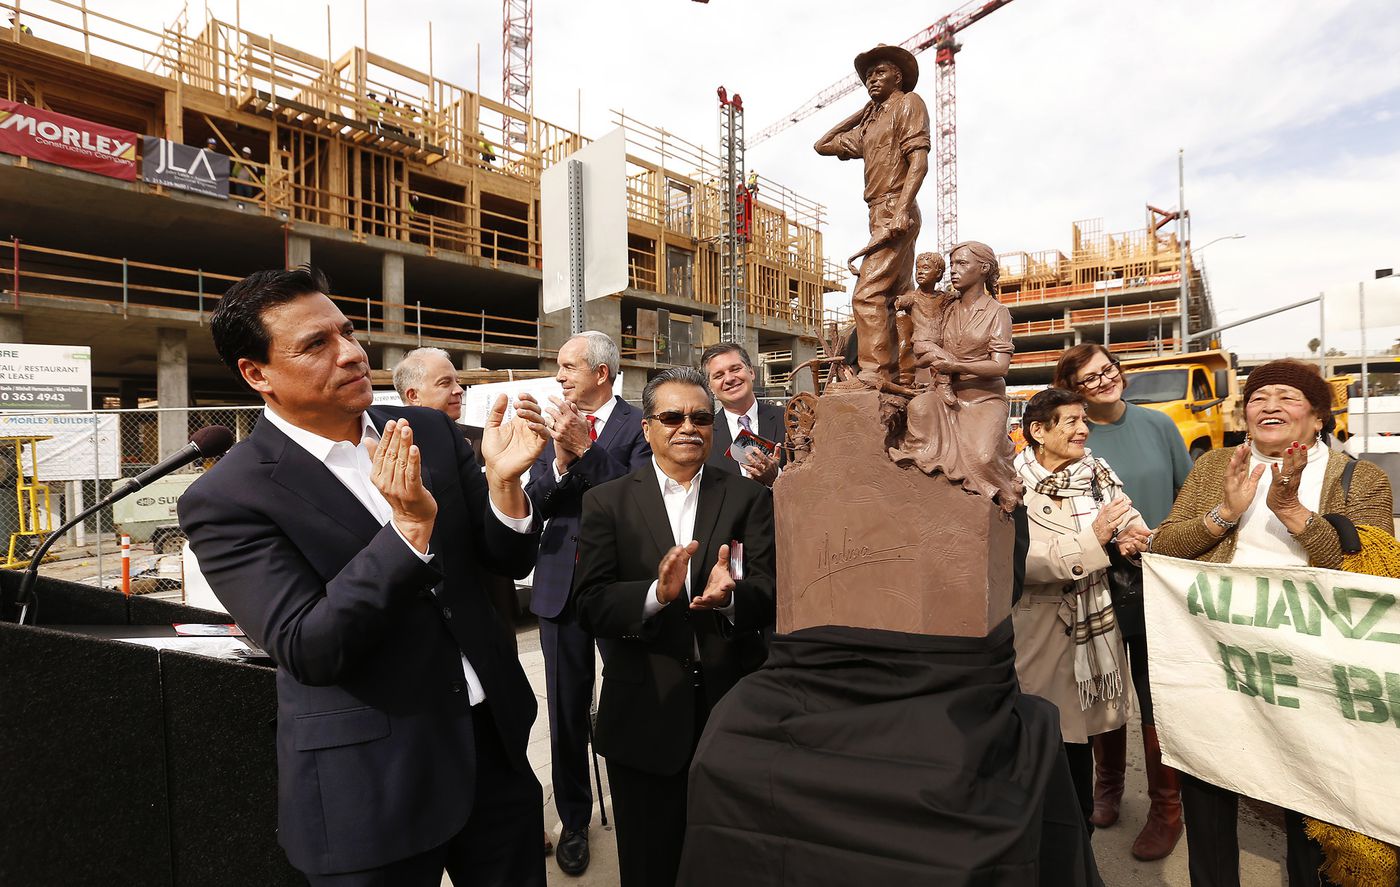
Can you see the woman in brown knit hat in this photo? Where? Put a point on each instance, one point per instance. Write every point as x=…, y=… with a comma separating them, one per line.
x=1261, y=504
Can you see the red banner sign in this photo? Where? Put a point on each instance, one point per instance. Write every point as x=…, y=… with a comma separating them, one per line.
x=68, y=141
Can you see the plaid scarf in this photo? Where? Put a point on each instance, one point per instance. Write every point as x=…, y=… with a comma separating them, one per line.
x=1088, y=610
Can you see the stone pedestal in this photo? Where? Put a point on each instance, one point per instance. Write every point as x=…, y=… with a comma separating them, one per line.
x=865, y=543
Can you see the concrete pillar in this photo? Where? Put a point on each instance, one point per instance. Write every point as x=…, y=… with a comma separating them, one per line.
x=471, y=360
x=298, y=250
x=391, y=355
x=633, y=381
x=750, y=342
x=128, y=393
x=803, y=350
x=697, y=340
x=12, y=329
x=603, y=315
x=391, y=292
x=172, y=389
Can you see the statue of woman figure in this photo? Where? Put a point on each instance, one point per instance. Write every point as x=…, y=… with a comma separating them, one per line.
x=970, y=341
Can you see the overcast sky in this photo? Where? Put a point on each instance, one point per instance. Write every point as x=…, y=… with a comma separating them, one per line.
x=1289, y=112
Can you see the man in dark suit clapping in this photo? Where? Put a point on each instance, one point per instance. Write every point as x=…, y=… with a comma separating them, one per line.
x=731, y=376
x=349, y=545
x=595, y=437
x=676, y=567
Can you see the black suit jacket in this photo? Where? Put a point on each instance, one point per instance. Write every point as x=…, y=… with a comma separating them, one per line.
x=375, y=748
x=620, y=448
x=646, y=714
x=770, y=426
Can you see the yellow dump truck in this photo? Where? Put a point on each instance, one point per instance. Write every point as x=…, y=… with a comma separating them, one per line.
x=1200, y=391
x=1341, y=395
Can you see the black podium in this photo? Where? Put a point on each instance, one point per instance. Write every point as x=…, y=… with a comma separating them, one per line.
x=124, y=764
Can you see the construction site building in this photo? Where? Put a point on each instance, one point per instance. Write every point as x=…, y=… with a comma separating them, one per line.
x=1122, y=288
x=417, y=196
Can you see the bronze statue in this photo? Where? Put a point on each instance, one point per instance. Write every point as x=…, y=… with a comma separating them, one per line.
x=966, y=335
x=919, y=318
x=891, y=134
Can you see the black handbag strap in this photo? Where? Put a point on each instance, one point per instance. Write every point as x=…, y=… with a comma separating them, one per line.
x=1347, y=472
x=1346, y=529
x=1346, y=532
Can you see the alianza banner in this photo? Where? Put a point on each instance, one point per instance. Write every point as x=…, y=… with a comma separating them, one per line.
x=68, y=141
x=1281, y=684
x=185, y=167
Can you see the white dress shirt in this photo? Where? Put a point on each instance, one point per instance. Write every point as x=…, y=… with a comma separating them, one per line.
x=680, y=514
x=735, y=428
x=351, y=465
x=600, y=418
x=1262, y=539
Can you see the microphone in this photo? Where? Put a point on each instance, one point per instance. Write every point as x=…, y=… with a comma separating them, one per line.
x=206, y=443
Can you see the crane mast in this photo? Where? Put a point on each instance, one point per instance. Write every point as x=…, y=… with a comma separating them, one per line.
x=941, y=35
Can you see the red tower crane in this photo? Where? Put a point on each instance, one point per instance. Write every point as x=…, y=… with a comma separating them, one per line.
x=940, y=35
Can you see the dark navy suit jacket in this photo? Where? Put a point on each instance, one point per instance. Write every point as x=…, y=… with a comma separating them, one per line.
x=770, y=426
x=375, y=748
x=621, y=448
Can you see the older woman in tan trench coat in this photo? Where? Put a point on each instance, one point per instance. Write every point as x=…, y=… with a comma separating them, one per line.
x=1068, y=648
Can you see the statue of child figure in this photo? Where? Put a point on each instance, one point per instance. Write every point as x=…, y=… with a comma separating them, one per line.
x=920, y=324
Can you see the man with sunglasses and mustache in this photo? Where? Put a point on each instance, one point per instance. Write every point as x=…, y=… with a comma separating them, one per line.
x=676, y=565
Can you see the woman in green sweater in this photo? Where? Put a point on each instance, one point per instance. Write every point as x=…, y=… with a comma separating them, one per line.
x=1147, y=452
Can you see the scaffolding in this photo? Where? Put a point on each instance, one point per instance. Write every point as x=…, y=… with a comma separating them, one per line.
x=364, y=144
x=32, y=503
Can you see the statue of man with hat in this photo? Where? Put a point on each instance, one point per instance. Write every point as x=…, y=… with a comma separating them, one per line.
x=891, y=134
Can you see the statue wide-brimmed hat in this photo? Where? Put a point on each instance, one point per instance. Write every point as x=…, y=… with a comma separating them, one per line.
x=898, y=56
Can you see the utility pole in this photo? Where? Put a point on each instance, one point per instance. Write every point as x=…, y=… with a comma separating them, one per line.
x=1183, y=309
x=1365, y=367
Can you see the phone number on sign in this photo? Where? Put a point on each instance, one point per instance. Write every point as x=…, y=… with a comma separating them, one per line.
x=32, y=397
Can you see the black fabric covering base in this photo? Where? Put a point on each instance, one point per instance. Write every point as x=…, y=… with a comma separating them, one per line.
x=82, y=761
x=60, y=602
x=220, y=727
x=858, y=756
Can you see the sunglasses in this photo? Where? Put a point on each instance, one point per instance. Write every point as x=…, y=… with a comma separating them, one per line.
x=675, y=418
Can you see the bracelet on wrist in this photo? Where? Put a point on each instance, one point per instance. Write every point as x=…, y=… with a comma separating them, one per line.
x=1227, y=525
x=1308, y=524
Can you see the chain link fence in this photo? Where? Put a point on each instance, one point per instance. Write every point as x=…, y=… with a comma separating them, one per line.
x=53, y=464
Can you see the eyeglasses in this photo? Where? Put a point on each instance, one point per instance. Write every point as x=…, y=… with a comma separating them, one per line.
x=1093, y=381
x=675, y=419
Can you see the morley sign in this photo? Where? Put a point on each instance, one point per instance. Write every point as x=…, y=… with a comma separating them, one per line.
x=1281, y=684
x=185, y=167
x=68, y=141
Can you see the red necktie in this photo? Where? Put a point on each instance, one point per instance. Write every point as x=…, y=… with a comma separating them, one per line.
x=592, y=427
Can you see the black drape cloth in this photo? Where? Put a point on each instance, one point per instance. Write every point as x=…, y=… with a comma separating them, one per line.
x=859, y=756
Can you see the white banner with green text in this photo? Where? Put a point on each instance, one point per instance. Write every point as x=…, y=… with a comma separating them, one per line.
x=1281, y=684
